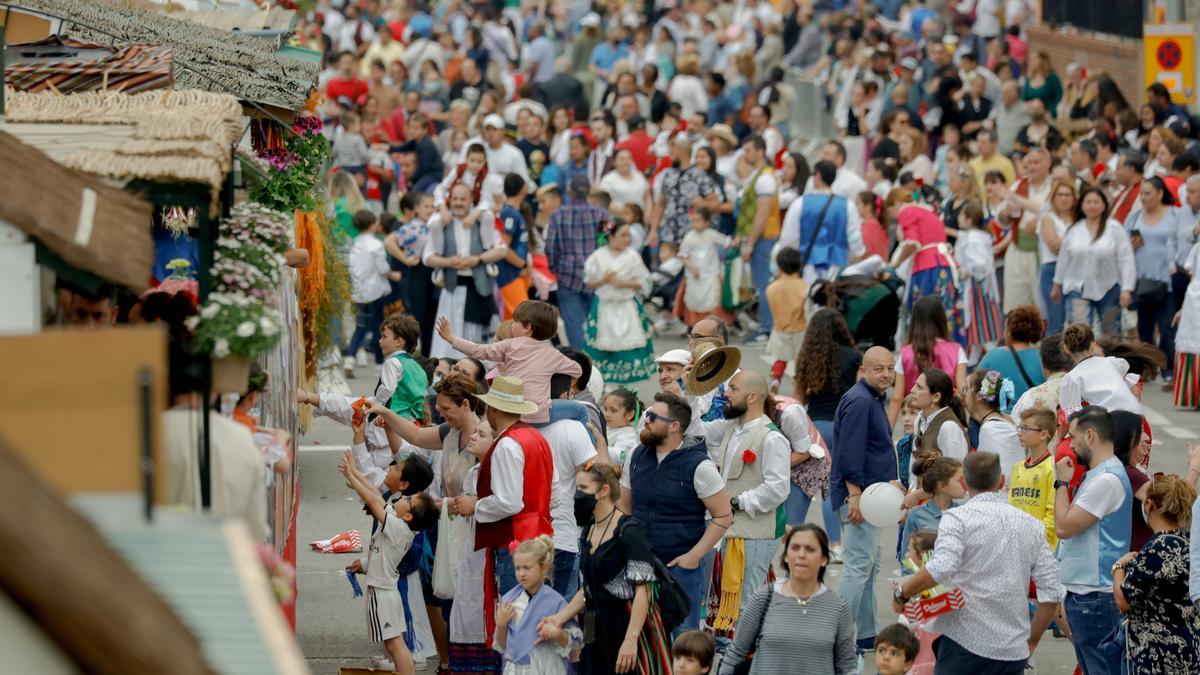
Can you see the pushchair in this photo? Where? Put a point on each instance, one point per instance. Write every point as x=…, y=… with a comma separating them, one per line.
x=869, y=301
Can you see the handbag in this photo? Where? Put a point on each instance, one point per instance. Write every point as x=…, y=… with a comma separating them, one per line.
x=674, y=604
x=743, y=668
x=1150, y=291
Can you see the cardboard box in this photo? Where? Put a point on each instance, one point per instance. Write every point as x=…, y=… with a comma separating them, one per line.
x=920, y=609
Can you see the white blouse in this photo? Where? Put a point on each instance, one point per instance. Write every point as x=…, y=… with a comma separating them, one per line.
x=1092, y=268
x=1099, y=380
x=998, y=435
x=630, y=190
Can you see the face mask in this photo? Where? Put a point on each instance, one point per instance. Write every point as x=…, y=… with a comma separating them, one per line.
x=1145, y=516
x=585, y=504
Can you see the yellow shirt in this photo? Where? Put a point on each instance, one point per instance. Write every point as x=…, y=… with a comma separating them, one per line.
x=785, y=297
x=1031, y=489
x=999, y=163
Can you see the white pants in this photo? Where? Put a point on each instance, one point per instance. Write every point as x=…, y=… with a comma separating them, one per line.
x=1021, y=276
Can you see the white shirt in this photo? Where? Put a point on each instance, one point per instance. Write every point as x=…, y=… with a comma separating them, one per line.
x=501, y=161
x=951, y=439
x=846, y=184
x=1092, y=268
x=793, y=422
x=239, y=473
x=1100, y=496
x=1060, y=227
x=1098, y=380
x=688, y=92
x=1000, y=436
x=368, y=269
x=508, y=475
x=789, y=233
x=571, y=447
x=764, y=185
x=773, y=140
x=776, y=462
x=994, y=579
x=630, y=190
x=389, y=544
x=490, y=193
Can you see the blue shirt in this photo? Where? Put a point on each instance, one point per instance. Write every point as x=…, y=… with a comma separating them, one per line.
x=568, y=171
x=605, y=56
x=924, y=517
x=1001, y=359
x=518, y=242
x=1159, y=245
x=720, y=108
x=862, y=443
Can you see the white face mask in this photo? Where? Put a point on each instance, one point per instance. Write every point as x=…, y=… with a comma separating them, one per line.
x=1145, y=516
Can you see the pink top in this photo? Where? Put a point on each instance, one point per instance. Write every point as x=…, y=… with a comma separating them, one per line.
x=945, y=358
x=919, y=225
x=534, y=361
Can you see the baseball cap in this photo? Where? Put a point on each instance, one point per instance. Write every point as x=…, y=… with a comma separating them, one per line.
x=494, y=121
x=677, y=356
x=908, y=62
x=591, y=19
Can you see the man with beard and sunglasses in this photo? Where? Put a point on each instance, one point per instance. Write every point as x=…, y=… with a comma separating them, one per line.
x=755, y=462
x=657, y=490
x=1094, y=533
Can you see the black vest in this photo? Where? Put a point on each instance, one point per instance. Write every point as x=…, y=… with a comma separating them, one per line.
x=665, y=499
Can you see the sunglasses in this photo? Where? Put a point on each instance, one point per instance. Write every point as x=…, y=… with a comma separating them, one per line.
x=652, y=417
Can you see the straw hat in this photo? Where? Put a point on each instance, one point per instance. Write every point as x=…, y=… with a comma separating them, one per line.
x=507, y=394
x=723, y=132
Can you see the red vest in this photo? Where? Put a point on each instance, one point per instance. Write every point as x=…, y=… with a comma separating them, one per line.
x=534, y=518
x=1125, y=201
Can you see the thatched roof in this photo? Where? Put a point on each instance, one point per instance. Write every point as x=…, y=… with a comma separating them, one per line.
x=205, y=58
x=70, y=66
x=165, y=135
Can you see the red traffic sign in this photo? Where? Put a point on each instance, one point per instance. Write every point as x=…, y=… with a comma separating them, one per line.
x=1169, y=55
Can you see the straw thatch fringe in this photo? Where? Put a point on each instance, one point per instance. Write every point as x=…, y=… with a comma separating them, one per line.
x=244, y=66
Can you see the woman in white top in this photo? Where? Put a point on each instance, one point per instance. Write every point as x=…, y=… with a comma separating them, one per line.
x=560, y=135
x=624, y=183
x=912, y=155
x=1052, y=226
x=1096, y=379
x=793, y=175
x=933, y=395
x=1095, y=271
x=988, y=394
x=687, y=89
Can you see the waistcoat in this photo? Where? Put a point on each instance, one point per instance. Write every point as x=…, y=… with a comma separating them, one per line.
x=409, y=398
x=832, y=247
x=1087, y=558
x=665, y=499
x=748, y=209
x=483, y=284
x=744, y=477
x=534, y=518
x=928, y=440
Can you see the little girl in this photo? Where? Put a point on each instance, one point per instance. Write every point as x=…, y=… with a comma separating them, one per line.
x=920, y=548
x=634, y=215
x=521, y=611
x=875, y=238
x=621, y=412
x=981, y=307
x=617, y=332
x=700, y=252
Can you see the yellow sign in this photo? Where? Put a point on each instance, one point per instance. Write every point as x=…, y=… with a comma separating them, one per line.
x=1169, y=57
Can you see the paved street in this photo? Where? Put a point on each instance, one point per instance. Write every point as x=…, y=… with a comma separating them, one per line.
x=331, y=626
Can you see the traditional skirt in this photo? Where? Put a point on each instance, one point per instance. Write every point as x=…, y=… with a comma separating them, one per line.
x=620, y=367
x=1187, y=380
x=939, y=282
x=986, y=322
x=690, y=317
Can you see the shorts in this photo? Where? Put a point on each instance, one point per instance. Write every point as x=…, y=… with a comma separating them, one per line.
x=784, y=345
x=385, y=614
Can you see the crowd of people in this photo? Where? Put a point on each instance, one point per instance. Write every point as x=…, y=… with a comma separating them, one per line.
x=971, y=286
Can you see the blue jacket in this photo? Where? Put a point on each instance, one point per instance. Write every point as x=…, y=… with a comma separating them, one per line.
x=862, y=443
x=665, y=499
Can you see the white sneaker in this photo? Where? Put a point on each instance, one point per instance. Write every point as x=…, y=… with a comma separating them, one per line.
x=360, y=359
x=383, y=663
x=348, y=366
x=835, y=555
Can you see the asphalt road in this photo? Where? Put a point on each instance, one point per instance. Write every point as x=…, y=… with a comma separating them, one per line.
x=331, y=626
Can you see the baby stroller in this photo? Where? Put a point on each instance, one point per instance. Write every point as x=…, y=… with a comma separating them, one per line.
x=868, y=300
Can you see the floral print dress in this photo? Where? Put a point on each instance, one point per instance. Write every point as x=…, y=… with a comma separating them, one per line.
x=1164, y=627
x=679, y=189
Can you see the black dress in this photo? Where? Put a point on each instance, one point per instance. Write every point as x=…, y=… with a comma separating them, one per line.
x=611, y=575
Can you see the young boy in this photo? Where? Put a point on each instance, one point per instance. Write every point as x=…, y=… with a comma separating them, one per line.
x=511, y=279
x=369, y=287
x=350, y=151
x=904, y=446
x=665, y=285
x=692, y=653
x=896, y=649
x=391, y=540
x=527, y=355
x=786, y=296
x=402, y=380
x=1031, y=485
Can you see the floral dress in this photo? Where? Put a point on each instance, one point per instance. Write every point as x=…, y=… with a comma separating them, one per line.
x=1164, y=627
x=679, y=189
x=617, y=330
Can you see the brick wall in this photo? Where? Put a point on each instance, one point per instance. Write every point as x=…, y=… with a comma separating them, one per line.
x=1121, y=58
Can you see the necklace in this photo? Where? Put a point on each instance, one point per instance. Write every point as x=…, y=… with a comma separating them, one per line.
x=803, y=602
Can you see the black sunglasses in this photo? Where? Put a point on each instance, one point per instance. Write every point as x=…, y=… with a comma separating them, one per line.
x=652, y=417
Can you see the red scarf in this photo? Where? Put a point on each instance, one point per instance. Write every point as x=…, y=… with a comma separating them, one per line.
x=1125, y=202
x=476, y=190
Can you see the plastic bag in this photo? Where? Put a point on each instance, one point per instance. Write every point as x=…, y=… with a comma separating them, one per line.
x=443, y=563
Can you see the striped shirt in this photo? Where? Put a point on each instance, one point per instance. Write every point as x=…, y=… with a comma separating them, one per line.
x=570, y=239
x=815, y=639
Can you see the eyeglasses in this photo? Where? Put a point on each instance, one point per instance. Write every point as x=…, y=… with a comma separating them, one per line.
x=652, y=417
x=1028, y=430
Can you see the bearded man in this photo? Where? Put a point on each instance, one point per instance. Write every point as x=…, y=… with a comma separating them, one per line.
x=670, y=485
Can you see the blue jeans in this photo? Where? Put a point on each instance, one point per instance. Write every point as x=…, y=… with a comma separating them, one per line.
x=574, y=307
x=760, y=273
x=1108, y=309
x=693, y=584
x=566, y=573
x=833, y=524
x=506, y=573
x=797, y=505
x=1054, y=310
x=861, y=554
x=367, y=318
x=1092, y=618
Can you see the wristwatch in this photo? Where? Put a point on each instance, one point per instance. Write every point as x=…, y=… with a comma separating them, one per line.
x=1061, y=483
x=733, y=504
x=899, y=595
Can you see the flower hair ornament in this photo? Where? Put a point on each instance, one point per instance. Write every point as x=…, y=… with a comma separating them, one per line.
x=512, y=547
x=997, y=390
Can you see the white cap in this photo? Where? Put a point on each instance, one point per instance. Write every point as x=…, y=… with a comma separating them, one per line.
x=677, y=356
x=591, y=19
x=493, y=120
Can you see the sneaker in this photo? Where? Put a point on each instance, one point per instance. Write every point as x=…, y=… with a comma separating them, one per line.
x=360, y=359
x=383, y=663
x=348, y=366
x=866, y=644
x=758, y=339
x=835, y=555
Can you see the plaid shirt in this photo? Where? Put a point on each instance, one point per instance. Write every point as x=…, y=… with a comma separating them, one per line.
x=570, y=239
